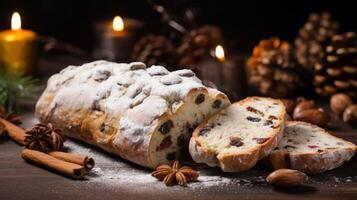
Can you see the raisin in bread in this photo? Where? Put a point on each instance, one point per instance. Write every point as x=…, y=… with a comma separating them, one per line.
x=144, y=115
x=310, y=149
x=240, y=135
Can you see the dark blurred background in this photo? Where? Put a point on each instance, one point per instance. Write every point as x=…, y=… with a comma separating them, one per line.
x=244, y=23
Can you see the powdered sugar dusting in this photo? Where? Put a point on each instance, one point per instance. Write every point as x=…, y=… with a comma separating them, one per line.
x=115, y=172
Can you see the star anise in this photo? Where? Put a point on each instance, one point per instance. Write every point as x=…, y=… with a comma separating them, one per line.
x=11, y=117
x=44, y=138
x=175, y=174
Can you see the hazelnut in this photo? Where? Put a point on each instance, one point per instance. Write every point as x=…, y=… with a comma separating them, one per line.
x=339, y=102
x=350, y=115
x=287, y=178
x=289, y=105
x=315, y=116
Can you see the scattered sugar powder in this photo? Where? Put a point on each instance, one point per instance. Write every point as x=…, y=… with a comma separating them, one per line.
x=112, y=170
x=123, y=176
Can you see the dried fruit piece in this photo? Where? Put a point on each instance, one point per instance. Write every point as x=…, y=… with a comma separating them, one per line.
x=200, y=99
x=312, y=146
x=253, y=119
x=217, y=104
x=268, y=122
x=165, y=143
x=166, y=127
x=95, y=105
x=289, y=147
x=287, y=178
x=171, y=156
x=272, y=117
x=102, y=75
x=236, y=141
x=204, y=130
x=254, y=110
x=181, y=140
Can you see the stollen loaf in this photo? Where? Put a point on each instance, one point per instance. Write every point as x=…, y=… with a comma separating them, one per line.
x=145, y=115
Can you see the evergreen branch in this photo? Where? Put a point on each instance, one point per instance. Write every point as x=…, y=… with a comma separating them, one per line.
x=14, y=89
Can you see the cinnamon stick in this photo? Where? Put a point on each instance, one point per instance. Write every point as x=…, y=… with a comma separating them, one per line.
x=15, y=132
x=18, y=134
x=85, y=161
x=72, y=170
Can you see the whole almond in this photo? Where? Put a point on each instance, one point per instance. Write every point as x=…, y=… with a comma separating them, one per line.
x=303, y=105
x=314, y=116
x=287, y=178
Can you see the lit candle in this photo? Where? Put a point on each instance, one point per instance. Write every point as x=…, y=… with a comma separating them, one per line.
x=18, y=47
x=224, y=72
x=118, y=24
x=233, y=75
x=219, y=53
x=115, y=39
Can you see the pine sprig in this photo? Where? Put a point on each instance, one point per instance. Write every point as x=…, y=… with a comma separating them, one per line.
x=15, y=89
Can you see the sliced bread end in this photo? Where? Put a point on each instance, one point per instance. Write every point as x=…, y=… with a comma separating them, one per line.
x=240, y=135
x=310, y=149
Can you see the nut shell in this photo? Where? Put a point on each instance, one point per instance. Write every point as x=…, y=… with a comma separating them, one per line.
x=287, y=178
x=339, y=102
x=350, y=115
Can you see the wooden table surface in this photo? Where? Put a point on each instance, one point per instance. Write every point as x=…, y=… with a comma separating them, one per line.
x=114, y=178
x=21, y=180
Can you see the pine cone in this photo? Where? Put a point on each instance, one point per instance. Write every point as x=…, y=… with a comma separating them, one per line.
x=44, y=138
x=197, y=44
x=313, y=38
x=154, y=50
x=273, y=70
x=337, y=72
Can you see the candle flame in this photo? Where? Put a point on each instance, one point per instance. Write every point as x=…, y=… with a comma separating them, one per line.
x=219, y=52
x=15, y=21
x=118, y=24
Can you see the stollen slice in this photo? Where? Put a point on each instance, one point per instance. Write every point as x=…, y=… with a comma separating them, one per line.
x=310, y=149
x=237, y=137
